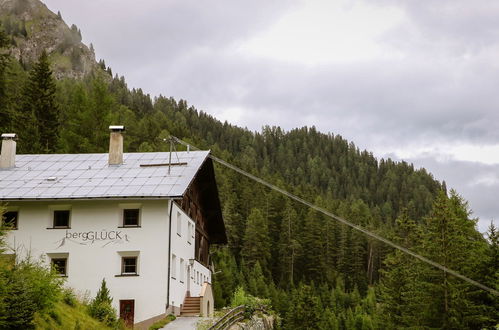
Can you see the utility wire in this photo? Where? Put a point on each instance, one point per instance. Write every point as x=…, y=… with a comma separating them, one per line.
x=346, y=222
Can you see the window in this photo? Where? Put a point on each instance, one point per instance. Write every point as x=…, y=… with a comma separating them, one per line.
x=181, y=275
x=60, y=265
x=131, y=217
x=61, y=218
x=129, y=263
x=129, y=266
x=189, y=233
x=179, y=224
x=10, y=219
x=174, y=266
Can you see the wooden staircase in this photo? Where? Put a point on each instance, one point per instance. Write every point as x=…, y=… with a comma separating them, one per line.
x=191, y=306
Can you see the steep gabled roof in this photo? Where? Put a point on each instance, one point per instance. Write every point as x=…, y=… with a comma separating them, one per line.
x=88, y=176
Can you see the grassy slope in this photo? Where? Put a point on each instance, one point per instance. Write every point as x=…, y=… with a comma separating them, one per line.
x=65, y=317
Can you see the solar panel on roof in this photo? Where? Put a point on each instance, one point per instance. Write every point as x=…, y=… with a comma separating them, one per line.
x=89, y=176
x=67, y=191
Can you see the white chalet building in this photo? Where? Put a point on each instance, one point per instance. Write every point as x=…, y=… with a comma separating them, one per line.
x=134, y=219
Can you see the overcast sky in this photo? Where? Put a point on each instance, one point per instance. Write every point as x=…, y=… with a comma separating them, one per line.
x=412, y=80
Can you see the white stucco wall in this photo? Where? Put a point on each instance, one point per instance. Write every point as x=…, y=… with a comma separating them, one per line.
x=91, y=261
x=199, y=276
x=183, y=248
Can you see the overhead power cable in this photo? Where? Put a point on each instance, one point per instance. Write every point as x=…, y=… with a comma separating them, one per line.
x=346, y=222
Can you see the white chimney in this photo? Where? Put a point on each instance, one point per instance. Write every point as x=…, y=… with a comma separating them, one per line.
x=8, y=156
x=116, y=145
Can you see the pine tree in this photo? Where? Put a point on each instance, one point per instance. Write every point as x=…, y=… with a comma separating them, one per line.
x=451, y=239
x=100, y=307
x=328, y=321
x=312, y=262
x=305, y=310
x=400, y=284
x=227, y=276
x=234, y=224
x=4, y=58
x=103, y=295
x=490, y=271
x=289, y=246
x=40, y=110
x=257, y=285
x=256, y=243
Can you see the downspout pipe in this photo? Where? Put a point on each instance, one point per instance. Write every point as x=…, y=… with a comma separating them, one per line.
x=169, y=254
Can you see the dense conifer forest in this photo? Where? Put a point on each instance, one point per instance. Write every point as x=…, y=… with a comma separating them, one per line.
x=317, y=273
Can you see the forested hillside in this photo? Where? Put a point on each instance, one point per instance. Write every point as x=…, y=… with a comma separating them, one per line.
x=317, y=272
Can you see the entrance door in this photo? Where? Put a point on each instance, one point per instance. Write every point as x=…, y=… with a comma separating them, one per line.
x=127, y=308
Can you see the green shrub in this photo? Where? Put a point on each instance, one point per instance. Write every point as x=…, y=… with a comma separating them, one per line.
x=100, y=308
x=103, y=312
x=120, y=325
x=69, y=297
x=55, y=316
x=161, y=323
x=240, y=297
x=28, y=287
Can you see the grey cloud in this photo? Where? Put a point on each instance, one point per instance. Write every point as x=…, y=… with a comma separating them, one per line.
x=450, y=26
x=391, y=99
x=154, y=33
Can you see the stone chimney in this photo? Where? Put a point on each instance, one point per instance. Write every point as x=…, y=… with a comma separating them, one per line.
x=116, y=145
x=8, y=156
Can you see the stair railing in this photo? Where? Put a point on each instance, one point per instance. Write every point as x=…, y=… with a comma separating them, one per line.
x=231, y=317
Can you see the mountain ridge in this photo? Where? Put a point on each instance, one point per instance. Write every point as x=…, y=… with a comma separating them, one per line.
x=33, y=28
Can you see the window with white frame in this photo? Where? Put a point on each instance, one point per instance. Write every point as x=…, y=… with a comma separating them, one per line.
x=174, y=266
x=181, y=272
x=130, y=215
x=59, y=263
x=179, y=224
x=59, y=216
x=129, y=263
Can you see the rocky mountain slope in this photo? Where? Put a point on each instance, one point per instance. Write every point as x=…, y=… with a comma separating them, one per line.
x=32, y=28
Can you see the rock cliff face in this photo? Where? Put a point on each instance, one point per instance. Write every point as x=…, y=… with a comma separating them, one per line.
x=33, y=28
